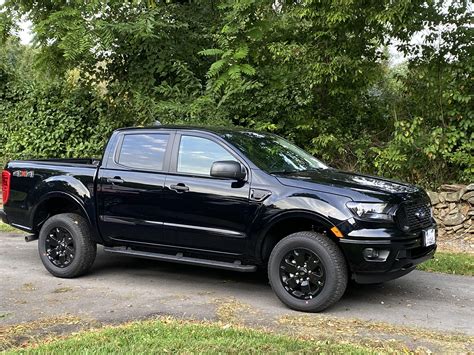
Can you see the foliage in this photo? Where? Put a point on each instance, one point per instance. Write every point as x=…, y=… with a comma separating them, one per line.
x=41, y=118
x=317, y=72
x=321, y=77
x=433, y=136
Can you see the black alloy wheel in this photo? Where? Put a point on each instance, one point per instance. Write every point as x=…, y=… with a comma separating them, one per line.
x=60, y=248
x=65, y=245
x=307, y=271
x=302, y=274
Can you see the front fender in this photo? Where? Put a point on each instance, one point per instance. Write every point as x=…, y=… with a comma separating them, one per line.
x=324, y=209
x=331, y=209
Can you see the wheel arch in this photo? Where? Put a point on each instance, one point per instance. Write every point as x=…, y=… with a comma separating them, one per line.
x=58, y=202
x=291, y=222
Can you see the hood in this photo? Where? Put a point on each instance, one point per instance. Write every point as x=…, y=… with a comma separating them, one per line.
x=356, y=186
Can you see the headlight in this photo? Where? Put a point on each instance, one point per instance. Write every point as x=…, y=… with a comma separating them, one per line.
x=372, y=211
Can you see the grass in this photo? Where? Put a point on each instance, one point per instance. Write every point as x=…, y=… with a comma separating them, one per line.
x=174, y=336
x=7, y=228
x=450, y=263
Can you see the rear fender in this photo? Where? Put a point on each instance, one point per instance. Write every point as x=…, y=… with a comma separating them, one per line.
x=71, y=189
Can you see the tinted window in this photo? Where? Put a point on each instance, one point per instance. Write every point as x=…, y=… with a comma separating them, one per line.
x=196, y=155
x=144, y=151
x=272, y=153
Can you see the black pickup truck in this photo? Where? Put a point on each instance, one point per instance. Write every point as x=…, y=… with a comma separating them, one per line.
x=230, y=199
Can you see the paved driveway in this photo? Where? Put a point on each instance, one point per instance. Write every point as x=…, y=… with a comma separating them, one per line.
x=122, y=288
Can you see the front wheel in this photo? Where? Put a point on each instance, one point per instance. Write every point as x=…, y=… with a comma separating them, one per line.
x=307, y=271
x=65, y=246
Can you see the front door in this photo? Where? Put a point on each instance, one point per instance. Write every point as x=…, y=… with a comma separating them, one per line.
x=130, y=188
x=204, y=212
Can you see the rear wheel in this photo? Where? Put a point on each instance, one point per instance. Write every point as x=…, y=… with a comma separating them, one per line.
x=65, y=246
x=307, y=271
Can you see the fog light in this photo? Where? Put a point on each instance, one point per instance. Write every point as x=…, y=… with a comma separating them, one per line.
x=371, y=253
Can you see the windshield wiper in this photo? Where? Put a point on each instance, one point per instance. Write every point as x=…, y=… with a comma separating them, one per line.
x=286, y=172
x=313, y=169
x=283, y=172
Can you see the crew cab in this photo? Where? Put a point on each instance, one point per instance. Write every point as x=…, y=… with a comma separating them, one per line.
x=224, y=198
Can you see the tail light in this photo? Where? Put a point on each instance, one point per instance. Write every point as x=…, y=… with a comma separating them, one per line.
x=6, y=185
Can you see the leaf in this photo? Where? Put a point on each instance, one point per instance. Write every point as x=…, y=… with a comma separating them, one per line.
x=247, y=69
x=216, y=68
x=241, y=52
x=211, y=52
x=234, y=72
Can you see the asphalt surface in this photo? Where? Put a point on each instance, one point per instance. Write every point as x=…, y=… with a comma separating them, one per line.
x=122, y=288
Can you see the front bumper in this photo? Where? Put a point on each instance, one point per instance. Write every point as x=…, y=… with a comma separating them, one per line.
x=405, y=252
x=3, y=216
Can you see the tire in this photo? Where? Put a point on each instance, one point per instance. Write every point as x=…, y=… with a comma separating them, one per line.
x=330, y=271
x=73, y=230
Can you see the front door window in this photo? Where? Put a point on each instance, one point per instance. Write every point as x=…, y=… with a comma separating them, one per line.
x=197, y=154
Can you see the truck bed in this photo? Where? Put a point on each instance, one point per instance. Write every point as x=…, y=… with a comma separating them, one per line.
x=31, y=180
x=63, y=161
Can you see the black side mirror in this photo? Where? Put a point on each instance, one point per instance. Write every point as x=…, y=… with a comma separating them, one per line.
x=228, y=169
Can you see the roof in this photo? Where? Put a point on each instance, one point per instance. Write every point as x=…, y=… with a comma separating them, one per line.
x=216, y=130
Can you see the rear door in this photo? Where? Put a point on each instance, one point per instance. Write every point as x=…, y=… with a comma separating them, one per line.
x=204, y=212
x=131, y=184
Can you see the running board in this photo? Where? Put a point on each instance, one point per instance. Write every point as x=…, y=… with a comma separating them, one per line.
x=179, y=258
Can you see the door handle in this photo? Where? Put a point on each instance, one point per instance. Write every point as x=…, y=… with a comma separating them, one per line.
x=115, y=180
x=179, y=187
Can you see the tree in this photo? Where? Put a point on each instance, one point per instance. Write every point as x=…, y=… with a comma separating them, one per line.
x=433, y=135
x=314, y=71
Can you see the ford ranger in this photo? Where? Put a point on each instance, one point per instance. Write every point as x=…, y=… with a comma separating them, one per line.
x=224, y=198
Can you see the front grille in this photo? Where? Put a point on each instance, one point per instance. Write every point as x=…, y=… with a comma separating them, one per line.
x=414, y=215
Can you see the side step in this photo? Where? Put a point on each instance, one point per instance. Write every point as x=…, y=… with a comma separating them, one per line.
x=179, y=258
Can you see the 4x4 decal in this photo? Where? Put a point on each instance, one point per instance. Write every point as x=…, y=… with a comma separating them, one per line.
x=24, y=173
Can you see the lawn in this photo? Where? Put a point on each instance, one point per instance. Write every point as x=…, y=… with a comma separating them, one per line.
x=450, y=263
x=173, y=336
x=7, y=228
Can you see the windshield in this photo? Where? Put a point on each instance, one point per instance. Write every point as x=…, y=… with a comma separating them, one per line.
x=273, y=154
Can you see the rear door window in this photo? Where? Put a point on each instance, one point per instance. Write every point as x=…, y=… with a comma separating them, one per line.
x=143, y=151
